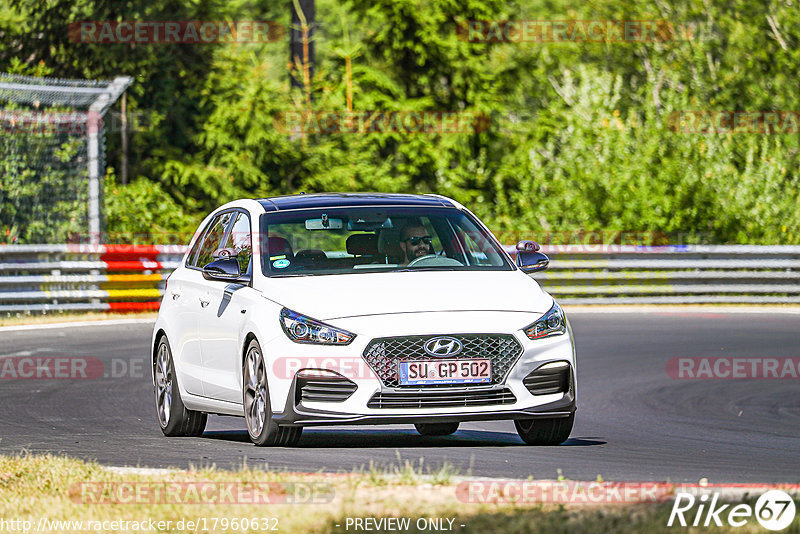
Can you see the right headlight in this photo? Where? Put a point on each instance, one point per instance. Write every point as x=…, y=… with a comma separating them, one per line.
x=552, y=323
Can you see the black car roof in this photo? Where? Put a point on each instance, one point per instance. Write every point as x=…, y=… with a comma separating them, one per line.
x=339, y=200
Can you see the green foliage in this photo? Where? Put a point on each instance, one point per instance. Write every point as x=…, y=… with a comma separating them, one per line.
x=35, y=167
x=143, y=213
x=579, y=138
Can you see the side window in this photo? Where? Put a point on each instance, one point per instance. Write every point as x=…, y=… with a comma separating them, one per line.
x=191, y=259
x=477, y=256
x=239, y=240
x=477, y=247
x=212, y=239
x=436, y=243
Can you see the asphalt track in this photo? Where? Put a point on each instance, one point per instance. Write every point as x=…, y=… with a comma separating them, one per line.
x=634, y=422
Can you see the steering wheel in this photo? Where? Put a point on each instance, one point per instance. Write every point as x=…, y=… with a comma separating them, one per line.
x=434, y=260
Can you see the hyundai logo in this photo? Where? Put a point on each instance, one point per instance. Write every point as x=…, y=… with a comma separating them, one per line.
x=443, y=346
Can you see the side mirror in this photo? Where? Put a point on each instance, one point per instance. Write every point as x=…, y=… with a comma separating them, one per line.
x=223, y=270
x=528, y=246
x=222, y=253
x=529, y=259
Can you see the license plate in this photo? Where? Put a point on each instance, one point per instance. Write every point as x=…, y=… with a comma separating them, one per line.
x=426, y=372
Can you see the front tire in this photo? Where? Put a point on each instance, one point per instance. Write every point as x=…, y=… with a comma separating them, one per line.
x=553, y=431
x=173, y=417
x=257, y=411
x=436, y=429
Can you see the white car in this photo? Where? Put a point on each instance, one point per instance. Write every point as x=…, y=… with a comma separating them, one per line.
x=341, y=309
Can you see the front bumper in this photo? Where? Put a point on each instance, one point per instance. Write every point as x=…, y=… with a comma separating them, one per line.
x=299, y=415
x=291, y=409
x=521, y=403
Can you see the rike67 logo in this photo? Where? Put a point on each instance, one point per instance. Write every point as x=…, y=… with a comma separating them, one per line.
x=774, y=510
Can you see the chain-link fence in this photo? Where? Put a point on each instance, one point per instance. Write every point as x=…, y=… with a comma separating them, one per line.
x=52, y=157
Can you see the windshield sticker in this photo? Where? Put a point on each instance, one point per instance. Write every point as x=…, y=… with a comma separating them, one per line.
x=281, y=264
x=272, y=258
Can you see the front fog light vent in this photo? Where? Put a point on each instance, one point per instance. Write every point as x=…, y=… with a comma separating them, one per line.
x=548, y=379
x=323, y=386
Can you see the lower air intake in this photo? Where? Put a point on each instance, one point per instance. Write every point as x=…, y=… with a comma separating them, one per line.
x=324, y=389
x=548, y=380
x=441, y=399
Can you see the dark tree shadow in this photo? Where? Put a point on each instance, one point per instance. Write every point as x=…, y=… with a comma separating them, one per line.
x=323, y=438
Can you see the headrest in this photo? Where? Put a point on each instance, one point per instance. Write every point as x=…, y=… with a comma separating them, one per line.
x=389, y=244
x=310, y=255
x=277, y=246
x=362, y=245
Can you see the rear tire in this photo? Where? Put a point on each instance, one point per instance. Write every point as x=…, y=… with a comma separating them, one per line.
x=263, y=431
x=173, y=417
x=436, y=429
x=545, y=431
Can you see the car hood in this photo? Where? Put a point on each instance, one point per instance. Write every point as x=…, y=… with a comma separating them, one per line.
x=329, y=297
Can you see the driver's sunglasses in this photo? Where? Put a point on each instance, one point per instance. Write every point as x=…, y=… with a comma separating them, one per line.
x=415, y=240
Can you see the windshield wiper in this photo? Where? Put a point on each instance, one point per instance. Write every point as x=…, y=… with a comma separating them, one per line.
x=414, y=269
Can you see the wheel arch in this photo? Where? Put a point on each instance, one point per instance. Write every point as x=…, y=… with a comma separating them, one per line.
x=154, y=350
x=247, y=339
x=253, y=336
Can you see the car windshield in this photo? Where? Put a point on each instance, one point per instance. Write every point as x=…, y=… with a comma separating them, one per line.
x=382, y=239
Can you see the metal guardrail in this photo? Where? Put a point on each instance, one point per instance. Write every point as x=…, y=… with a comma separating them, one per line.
x=42, y=278
x=114, y=278
x=676, y=274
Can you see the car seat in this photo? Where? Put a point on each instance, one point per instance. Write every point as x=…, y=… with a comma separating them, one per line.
x=389, y=245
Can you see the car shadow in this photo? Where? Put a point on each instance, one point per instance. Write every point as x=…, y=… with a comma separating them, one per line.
x=316, y=438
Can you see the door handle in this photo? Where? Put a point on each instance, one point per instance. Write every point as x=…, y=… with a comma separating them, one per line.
x=204, y=303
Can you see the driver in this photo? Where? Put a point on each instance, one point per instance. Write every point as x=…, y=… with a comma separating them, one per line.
x=414, y=242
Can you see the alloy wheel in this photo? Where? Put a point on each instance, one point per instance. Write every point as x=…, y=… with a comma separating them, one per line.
x=255, y=391
x=163, y=385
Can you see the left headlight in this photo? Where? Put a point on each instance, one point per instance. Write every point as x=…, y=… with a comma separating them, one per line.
x=551, y=323
x=302, y=329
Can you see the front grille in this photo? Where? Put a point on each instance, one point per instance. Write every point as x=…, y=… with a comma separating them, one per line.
x=383, y=354
x=547, y=381
x=324, y=390
x=441, y=399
